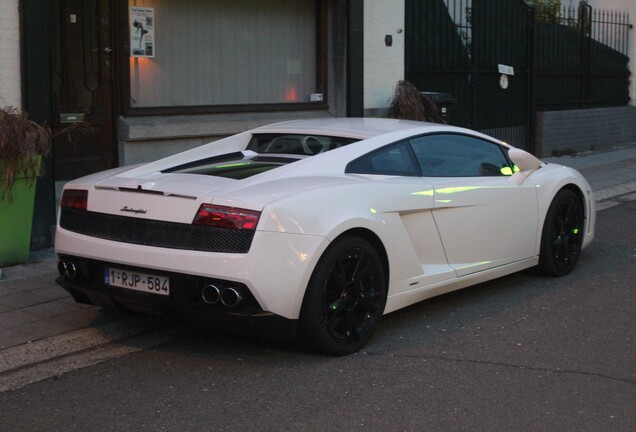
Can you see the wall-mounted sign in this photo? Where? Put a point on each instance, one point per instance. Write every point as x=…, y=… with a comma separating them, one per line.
x=507, y=70
x=142, y=31
x=503, y=81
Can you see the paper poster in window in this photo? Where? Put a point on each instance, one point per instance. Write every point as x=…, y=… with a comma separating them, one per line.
x=142, y=31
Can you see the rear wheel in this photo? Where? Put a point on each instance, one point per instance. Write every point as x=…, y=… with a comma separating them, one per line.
x=345, y=298
x=562, y=235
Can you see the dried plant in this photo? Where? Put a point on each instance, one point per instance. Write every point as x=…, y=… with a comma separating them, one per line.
x=410, y=104
x=22, y=142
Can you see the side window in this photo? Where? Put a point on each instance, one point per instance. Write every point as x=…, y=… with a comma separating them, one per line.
x=454, y=155
x=396, y=159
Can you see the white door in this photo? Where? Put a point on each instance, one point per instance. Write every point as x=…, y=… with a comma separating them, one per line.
x=484, y=220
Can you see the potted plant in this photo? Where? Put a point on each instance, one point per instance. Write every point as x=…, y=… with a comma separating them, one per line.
x=23, y=143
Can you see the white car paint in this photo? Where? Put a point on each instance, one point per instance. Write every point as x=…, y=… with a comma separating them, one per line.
x=439, y=234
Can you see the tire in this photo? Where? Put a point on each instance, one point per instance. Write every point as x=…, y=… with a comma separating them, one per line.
x=562, y=234
x=345, y=298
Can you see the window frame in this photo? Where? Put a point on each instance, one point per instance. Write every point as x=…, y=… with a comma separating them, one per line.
x=503, y=149
x=350, y=169
x=123, y=76
x=414, y=159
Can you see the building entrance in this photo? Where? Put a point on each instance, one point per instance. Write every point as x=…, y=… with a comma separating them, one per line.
x=83, y=62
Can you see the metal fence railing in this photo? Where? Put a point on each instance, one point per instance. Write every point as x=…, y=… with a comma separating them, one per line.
x=582, y=58
x=562, y=58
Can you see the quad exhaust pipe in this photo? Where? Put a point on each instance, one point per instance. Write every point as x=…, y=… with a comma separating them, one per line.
x=211, y=294
x=229, y=297
x=67, y=269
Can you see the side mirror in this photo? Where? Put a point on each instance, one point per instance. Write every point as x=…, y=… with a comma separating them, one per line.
x=524, y=160
x=526, y=163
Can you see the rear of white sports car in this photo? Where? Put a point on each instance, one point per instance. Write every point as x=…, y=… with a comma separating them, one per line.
x=317, y=228
x=175, y=240
x=207, y=234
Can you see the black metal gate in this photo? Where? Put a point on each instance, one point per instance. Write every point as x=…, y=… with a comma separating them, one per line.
x=481, y=53
x=582, y=59
x=502, y=60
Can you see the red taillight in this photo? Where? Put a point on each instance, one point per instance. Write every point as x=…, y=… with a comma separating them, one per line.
x=75, y=199
x=226, y=217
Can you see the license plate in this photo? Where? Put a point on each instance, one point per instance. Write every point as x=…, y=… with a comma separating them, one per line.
x=137, y=281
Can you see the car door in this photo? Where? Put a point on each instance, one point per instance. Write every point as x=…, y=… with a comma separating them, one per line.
x=484, y=220
x=409, y=198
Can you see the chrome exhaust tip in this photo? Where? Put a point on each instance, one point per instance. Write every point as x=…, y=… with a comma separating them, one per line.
x=230, y=297
x=210, y=294
x=67, y=269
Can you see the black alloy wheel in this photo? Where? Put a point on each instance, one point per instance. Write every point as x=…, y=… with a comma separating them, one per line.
x=345, y=298
x=562, y=235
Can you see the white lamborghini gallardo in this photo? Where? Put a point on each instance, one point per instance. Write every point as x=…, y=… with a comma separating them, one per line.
x=316, y=228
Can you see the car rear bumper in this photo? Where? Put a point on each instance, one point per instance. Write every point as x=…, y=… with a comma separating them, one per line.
x=276, y=270
x=185, y=301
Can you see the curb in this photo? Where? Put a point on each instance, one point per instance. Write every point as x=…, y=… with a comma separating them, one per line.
x=615, y=195
x=32, y=362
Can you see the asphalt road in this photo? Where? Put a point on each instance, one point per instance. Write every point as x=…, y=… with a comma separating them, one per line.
x=522, y=353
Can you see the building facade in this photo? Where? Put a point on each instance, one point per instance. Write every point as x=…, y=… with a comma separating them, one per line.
x=154, y=77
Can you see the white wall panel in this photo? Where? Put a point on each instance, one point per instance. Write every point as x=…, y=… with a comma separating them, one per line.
x=383, y=65
x=10, y=87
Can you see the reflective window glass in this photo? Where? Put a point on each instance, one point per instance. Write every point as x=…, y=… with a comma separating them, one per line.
x=456, y=155
x=395, y=159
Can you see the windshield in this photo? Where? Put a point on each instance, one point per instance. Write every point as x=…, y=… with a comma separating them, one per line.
x=297, y=144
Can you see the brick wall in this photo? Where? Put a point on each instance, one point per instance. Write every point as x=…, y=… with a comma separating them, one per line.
x=10, y=93
x=577, y=131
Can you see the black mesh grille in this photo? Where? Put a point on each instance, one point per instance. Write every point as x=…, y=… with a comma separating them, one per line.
x=156, y=233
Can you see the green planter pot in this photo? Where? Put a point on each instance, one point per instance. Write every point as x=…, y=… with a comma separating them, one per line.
x=16, y=219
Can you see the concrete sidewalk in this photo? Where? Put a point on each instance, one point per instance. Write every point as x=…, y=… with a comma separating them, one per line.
x=34, y=307
x=612, y=174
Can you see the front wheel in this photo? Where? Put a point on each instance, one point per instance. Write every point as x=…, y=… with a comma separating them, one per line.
x=562, y=234
x=345, y=298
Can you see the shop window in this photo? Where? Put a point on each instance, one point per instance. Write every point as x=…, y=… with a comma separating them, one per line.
x=226, y=53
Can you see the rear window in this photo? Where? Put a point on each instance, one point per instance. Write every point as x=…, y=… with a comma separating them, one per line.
x=296, y=144
x=273, y=151
x=233, y=166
